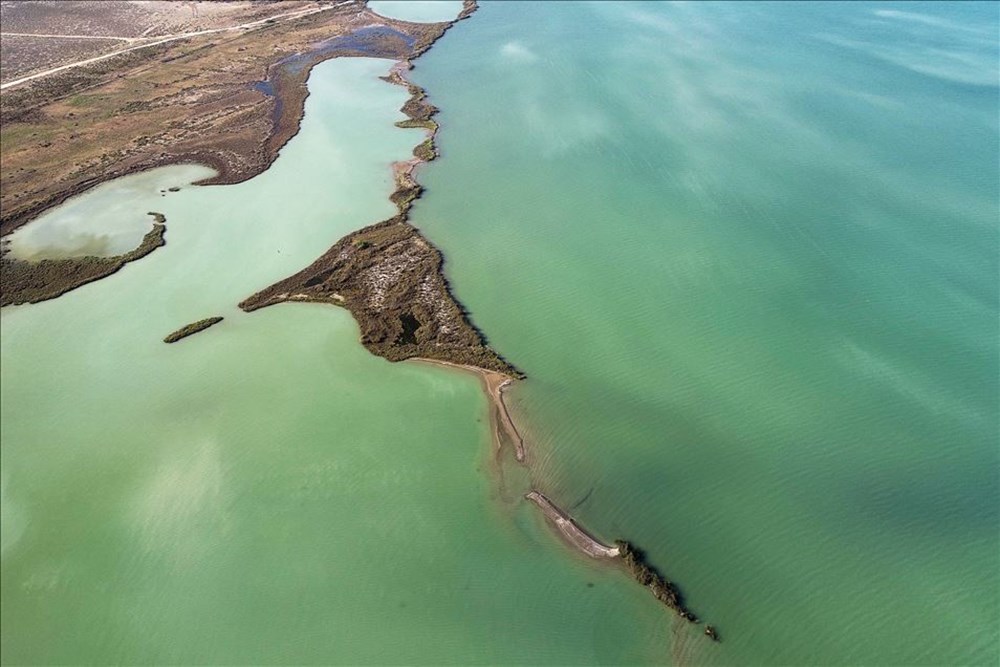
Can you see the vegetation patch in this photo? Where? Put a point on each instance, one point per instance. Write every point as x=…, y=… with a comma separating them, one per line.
x=662, y=588
x=191, y=329
x=425, y=150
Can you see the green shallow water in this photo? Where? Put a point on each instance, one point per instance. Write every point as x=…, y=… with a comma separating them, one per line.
x=72, y=230
x=755, y=292
x=267, y=491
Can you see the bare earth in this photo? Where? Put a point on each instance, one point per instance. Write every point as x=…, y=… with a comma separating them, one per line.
x=37, y=35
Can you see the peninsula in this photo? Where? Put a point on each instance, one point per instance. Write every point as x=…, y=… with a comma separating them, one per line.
x=228, y=97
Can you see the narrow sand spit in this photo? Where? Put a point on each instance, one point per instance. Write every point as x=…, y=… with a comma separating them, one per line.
x=493, y=384
x=576, y=535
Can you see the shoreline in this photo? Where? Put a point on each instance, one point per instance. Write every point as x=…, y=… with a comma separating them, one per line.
x=387, y=275
x=493, y=384
x=380, y=274
x=283, y=110
x=33, y=282
x=570, y=530
x=267, y=122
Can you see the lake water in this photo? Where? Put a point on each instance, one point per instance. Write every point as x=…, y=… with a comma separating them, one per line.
x=417, y=10
x=755, y=292
x=108, y=221
x=747, y=256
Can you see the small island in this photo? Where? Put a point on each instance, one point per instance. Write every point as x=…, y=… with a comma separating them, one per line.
x=191, y=329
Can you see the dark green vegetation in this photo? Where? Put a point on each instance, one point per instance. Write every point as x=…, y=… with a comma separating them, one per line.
x=191, y=329
x=661, y=587
x=30, y=282
x=425, y=150
x=420, y=112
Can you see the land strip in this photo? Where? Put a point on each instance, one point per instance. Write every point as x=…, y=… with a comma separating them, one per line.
x=633, y=559
x=191, y=329
x=569, y=529
x=235, y=120
x=503, y=432
x=389, y=276
x=229, y=98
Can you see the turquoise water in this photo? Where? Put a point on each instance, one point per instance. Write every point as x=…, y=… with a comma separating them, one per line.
x=747, y=257
x=267, y=491
x=417, y=10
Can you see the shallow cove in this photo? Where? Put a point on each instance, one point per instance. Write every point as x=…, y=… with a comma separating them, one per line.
x=110, y=220
x=267, y=491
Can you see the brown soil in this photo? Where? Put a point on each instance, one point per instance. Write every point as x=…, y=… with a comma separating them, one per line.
x=21, y=55
x=133, y=19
